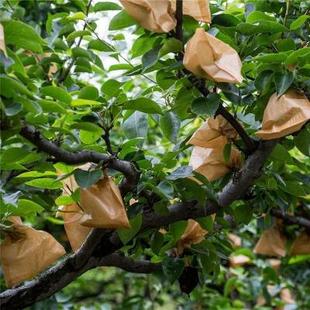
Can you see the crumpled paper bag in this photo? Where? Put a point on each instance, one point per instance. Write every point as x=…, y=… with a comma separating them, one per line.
x=76, y=233
x=198, y=9
x=301, y=245
x=24, y=257
x=101, y=205
x=271, y=243
x=193, y=234
x=239, y=260
x=210, y=162
x=156, y=16
x=284, y=115
x=211, y=131
x=210, y=58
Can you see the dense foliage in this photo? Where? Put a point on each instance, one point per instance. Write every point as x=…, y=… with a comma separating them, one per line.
x=88, y=77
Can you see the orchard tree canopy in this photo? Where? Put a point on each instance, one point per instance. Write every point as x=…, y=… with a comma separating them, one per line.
x=155, y=154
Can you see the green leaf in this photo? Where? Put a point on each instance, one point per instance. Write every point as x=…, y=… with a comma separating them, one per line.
x=295, y=56
x=170, y=125
x=171, y=45
x=273, y=57
x=87, y=126
x=280, y=153
x=100, y=45
x=127, y=234
x=9, y=87
x=256, y=16
x=227, y=152
x=136, y=125
x=85, y=102
x=206, y=105
x=177, y=229
x=261, y=27
x=27, y=207
x=121, y=20
x=230, y=285
x=14, y=154
x=294, y=188
x=51, y=106
x=46, y=183
x=283, y=81
x=145, y=105
x=22, y=36
x=57, y=93
x=106, y=6
x=64, y=201
x=150, y=58
x=302, y=141
x=111, y=88
x=264, y=80
x=89, y=92
x=181, y=173
x=173, y=268
x=299, y=22
x=86, y=179
x=77, y=34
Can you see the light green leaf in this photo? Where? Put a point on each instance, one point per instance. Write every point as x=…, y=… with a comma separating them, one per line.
x=27, y=207
x=143, y=105
x=106, y=6
x=121, y=20
x=85, y=102
x=299, y=22
x=46, y=183
x=57, y=93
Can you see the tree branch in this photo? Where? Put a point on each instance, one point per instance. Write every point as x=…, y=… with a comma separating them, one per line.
x=108, y=242
x=128, y=169
x=291, y=219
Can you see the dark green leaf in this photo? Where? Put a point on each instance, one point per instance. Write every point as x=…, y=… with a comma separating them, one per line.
x=127, y=234
x=283, y=81
x=86, y=179
x=145, y=105
x=170, y=125
x=106, y=6
x=173, y=268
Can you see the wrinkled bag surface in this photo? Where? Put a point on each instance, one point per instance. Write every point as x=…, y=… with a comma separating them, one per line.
x=210, y=58
x=25, y=257
x=284, y=115
x=156, y=16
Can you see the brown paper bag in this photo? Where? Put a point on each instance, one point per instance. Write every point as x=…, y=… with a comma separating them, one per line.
x=24, y=257
x=156, y=16
x=198, y=9
x=210, y=58
x=103, y=206
x=76, y=233
x=234, y=240
x=301, y=245
x=210, y=162
x=271, y=243
x=238, y=260
x=284, y=115
x=193, y=234
x=212, y=129
x=275, y=263
x=2, y=40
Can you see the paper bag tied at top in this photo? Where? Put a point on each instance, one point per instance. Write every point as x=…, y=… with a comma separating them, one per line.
x=210, y=162
x=284, y=115
x=24, y=257
x=198, y=9
x=156, y=16
x=211, y=131
x=210, y=58
x=193, y=234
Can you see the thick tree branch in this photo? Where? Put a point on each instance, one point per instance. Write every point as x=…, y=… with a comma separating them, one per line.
x=107, y=242
x=179, y=18
x=291, y=219
x=128, y=169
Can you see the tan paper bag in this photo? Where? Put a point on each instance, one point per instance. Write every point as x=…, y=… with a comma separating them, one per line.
x=2, y=40
x=210, y=162
x=76, y=233
x=284, y=115
x=103, y=205
x=301, y=245
x=193, y=234
x=212, y=129
x=210, y=58
x=234, y=240
x=239, y=260
x=275, y=263
x=156, y=16
x=24, y=257
x=198, y=9
x=271, y=243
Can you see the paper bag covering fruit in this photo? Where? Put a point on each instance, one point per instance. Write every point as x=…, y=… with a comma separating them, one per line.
x=271, y=243
x=198, y=9
x=211, y=131
x=284, y=115
x=235, y=240
x=156, y=16
x=2, y=41
x=100, y=206
x=301, y=245
x=211, y=163
x=27, y=252
x=193, y=234
x=210, y=58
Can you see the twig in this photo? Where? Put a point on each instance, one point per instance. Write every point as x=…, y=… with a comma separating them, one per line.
x=291, y=219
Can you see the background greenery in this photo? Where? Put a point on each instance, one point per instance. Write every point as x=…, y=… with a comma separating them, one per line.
x=76, y=70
